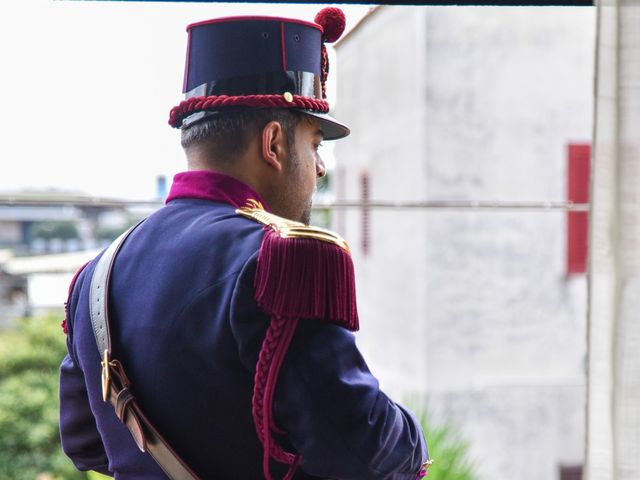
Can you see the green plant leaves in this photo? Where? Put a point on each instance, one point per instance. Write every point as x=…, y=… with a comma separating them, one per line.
x=449, y=451
x=29, y=437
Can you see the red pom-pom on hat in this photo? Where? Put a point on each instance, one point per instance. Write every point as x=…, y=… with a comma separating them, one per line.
x=333, y=21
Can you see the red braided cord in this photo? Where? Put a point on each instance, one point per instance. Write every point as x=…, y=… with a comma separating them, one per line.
x=274, y=369
x=267, y=351
x=273, y=340
x=270, y=358
x=324, y=69
x=274, y=347
x=273, y=448
x=196, y=104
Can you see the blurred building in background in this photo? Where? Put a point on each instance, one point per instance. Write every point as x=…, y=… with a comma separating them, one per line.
x=46, y=235
x=479, y=312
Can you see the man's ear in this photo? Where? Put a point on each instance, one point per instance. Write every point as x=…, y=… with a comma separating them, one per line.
x=273, y=145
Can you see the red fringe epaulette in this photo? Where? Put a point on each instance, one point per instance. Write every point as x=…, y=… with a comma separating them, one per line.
x=303, y=272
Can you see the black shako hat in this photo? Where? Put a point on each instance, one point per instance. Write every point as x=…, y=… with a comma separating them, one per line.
x=259, y=62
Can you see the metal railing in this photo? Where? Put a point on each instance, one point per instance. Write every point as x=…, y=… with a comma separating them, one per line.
x=13, y=200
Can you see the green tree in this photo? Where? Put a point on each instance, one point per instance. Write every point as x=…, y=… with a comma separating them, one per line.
x=29, y=435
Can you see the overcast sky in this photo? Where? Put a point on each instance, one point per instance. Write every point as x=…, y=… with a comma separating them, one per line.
x=86, y=89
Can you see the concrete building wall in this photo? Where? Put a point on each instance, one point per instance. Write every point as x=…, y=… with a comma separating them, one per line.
x=379, y=75
x=472, y=309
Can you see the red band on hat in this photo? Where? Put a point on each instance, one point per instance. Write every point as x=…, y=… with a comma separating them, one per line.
x=197, y=104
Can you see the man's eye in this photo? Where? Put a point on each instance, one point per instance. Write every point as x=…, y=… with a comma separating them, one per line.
x=318, y=145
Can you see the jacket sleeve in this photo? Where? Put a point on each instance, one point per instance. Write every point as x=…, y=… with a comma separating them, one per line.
x=79, y=435
x=328, y=401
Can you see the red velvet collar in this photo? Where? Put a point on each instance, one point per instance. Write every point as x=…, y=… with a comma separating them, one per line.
x=213, y=186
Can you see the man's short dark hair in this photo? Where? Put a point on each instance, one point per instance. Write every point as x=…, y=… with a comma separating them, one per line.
x=228, y=133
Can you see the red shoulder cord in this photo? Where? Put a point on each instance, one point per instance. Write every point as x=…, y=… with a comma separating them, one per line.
x=274, y=348
x=296, y=278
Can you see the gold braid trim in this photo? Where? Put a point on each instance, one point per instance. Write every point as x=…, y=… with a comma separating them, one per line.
x=290, y=228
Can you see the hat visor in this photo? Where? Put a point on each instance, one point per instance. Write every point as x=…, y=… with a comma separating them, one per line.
x=331, y=128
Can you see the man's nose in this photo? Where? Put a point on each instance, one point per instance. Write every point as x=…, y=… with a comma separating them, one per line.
x=321, y=170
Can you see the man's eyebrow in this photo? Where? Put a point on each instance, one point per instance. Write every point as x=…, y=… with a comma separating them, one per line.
x=320, y=132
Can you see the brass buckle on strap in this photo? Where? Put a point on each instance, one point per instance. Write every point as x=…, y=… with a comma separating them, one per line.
x=106, y=376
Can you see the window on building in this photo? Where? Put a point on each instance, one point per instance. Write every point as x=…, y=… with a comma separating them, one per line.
x=571, y=473
x=578, y=170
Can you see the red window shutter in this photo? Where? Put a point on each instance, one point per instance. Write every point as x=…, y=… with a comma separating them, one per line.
x=578, y=170
x=571, y=473
x=364, y=196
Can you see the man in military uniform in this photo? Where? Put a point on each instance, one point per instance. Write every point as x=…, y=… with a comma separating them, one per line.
x=231, y=317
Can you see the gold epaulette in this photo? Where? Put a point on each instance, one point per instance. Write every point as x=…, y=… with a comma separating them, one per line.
x=289, y=228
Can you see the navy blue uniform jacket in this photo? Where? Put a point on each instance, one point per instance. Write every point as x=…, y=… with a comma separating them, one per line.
x=187, y=329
